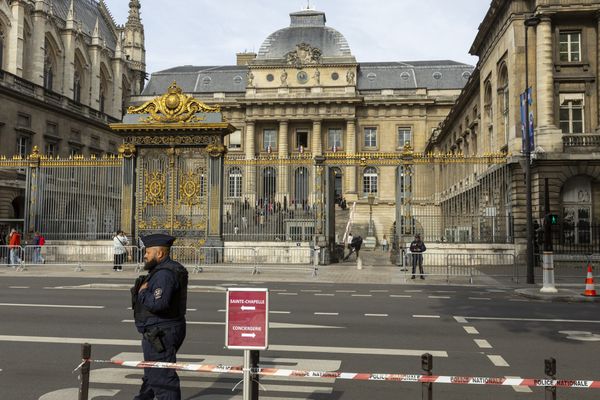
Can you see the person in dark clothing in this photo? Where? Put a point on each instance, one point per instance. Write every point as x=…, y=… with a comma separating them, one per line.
x=159, y=302
x=417, y=248
x=355, y=246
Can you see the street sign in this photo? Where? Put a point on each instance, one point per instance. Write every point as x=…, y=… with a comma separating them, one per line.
x=247, y=325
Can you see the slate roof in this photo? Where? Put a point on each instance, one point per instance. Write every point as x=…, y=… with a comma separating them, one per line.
x=307, y=26
x=371, y=76
x=87, y=11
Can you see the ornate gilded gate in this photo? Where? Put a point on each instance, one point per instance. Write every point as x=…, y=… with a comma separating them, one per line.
x=173, y=171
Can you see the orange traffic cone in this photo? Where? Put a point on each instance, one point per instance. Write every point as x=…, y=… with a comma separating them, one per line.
x=589, y=283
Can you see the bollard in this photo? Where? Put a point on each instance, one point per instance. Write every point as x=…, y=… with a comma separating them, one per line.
x=84, y=377
x=550, y=371
x=254, y=376
x=427, y=366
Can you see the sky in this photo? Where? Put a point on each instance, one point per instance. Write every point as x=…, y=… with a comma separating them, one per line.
x=208, y=32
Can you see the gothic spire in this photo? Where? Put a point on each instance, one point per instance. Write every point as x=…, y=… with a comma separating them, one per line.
x=134, y=12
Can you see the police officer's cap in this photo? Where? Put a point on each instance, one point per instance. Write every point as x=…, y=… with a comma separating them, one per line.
x=158, y=240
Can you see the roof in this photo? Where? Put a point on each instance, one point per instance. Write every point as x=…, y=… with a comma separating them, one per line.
x=88, y=11
x=371, y=76
x=307, y=26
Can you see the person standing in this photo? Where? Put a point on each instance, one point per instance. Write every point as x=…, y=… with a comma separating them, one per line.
x=14, y=246
x=119, y=250
x=38, y=242
x=159, y=302
x=384, y=244
x=417, y=248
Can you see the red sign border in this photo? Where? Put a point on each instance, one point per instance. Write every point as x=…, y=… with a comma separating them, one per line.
x=266, y=346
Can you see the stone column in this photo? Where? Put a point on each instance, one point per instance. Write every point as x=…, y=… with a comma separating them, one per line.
x=15, y=45
x=544, y=74
x=215, y=200
x=317, y=139
x=249, y=181
x=69, y=64
x=36, y=73
x=283, y=170
x=351, y=192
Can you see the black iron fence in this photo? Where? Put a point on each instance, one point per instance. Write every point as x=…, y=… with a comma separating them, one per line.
x=584, y=238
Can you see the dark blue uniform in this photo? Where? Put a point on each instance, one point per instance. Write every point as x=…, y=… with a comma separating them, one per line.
x=159, y=312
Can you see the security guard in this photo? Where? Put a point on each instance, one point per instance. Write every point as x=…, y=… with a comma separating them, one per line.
x=159, y=301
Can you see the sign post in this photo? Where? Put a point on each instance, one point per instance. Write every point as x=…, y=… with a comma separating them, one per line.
x=247, y=325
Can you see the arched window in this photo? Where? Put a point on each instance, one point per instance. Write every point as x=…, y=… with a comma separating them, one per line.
x=337, y=183
x=577, y=210
x=370, y=181
x=505, y=100
x=269, y=184
x=49, y=65
x=1, y=47
x=102, y=95
x=489, y=114
x=77, y=86
x=235, y=182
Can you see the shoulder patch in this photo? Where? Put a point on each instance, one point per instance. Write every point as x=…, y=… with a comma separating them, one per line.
x=158, y=293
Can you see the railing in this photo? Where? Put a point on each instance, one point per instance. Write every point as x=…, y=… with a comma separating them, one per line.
x=582, y=239
x=581, y=140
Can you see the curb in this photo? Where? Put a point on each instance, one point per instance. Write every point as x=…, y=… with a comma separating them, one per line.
x=563, y=295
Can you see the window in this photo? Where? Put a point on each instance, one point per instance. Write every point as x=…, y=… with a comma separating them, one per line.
x=77, y=87
x=570, y=46
x=51, y=129
x=370, y=180
x=74, y=150
x=572, y=113
x=23, y=145
x=49, y=67
x=504, y=105
x=370, y=137
x=269, y=139
x=95, y=142
x=334, y=137
x=23, y=120
x=235, y=140
x=302, y=139
x=102, y=96
x=404, y=136
x=1, y=48
x=51, y=149
x=235, y=182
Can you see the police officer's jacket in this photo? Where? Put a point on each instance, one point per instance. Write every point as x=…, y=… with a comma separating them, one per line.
x=164, y=302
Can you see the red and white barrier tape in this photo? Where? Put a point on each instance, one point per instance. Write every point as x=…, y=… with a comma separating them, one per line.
x=414, y=378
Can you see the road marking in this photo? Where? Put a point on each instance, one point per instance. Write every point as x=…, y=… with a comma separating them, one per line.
x=279, y=312
x=378, y=291
x=496, y=290
x=18, y=287
x=444, y=291
x=460, y=320
x=438, y=297
x=345, y=291
x=519, y=300
x=48, y=305
x=358, y=350
x=278, y=290
x=404, y=296
x=288, y=294
x=310, y=291
x=586, y=321
x=327, y=313
x=483, y=344
x=272, y=325
x=471, y=330
x=376, y=315
x=414, y=291
x=274, y=347
x=362, y=295
x=582, y=336
x=425, y=316
x=520, y=389
x=480, y=298
x=498, y=361
x=325, y=294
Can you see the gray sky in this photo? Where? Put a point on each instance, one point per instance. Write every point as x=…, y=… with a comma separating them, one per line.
x=208, y=32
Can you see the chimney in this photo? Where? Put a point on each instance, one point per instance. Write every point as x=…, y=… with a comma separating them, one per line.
x=245, y=58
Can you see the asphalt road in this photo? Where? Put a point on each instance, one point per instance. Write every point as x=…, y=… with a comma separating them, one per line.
x=472, y=331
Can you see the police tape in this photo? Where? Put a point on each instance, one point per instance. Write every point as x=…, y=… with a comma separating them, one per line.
x=411, y=378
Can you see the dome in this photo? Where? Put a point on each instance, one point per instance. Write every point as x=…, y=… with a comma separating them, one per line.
x=306, y=27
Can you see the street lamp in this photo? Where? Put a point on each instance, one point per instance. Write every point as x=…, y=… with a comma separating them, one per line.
x=371, y=200
x=532, y=21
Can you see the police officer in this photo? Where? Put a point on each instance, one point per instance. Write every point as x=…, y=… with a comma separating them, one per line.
x=159, y=304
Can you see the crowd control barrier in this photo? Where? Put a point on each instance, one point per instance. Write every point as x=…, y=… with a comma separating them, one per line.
x=427, y=379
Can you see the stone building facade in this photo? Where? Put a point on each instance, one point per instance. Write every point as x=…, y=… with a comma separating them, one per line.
x=563, y=45
x=67, y=69
x=304, y=94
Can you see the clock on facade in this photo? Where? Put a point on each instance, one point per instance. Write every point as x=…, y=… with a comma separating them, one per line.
x=302, y=77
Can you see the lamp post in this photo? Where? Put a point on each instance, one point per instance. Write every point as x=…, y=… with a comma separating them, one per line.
x=529, y=22
x=371, y=200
